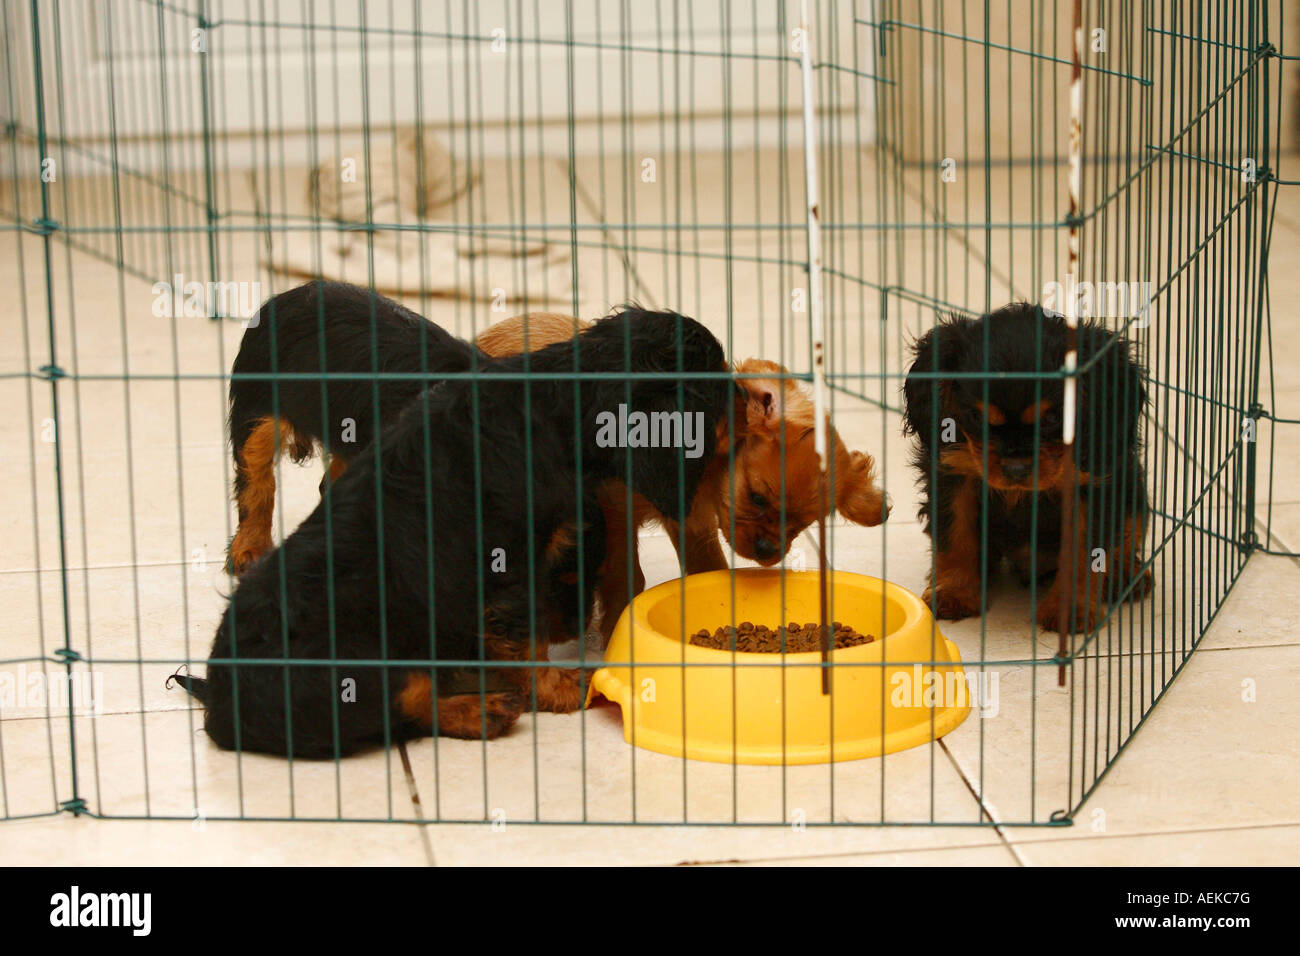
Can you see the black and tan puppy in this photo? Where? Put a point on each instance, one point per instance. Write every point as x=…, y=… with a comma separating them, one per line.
x=379, y=356
x=280, y=404
x=462, y=536
x=993, y=470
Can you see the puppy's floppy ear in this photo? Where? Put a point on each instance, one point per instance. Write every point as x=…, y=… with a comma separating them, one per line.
x=668, y=477
x=668, y=342
x=1112, y=395
x=856, y=495
x=938, y=350
x=764, y=397
x=733, y=426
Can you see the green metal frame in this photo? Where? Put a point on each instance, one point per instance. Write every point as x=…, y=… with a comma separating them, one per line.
x=1190, y=92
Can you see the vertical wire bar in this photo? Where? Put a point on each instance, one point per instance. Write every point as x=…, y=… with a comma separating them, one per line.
x=1249, y=537
x=724, y=8
x=47, y=240
x=1038, y=156
x=426, y=427
x=67, y=208
x=679, y=296
x=626, y=142
x=516, y=236
x=382, y=570
x=571, y=143
x=9, y=45
x=815, y=320
x=209, y=173
x=327, y=498
x=988, y=352
x=209, y=93
x=167, y=138
x=887, y=161
x=1069, y=530
x=69, y=203
x=476, y=412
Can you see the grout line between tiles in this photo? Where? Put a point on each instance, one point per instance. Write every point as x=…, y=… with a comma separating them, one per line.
x=986, y=808
x=1244, y=647
x=178, y=708
x=416, y=806
x=123, y=566
x=1184, y=831
x=848, y=855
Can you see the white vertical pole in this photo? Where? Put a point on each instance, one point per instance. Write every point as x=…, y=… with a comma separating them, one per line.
x=818, y=335
x=1075, y=186
x=814, y=237
x=1070, y=529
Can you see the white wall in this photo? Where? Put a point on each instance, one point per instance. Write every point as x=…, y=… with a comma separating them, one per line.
x=124, y=66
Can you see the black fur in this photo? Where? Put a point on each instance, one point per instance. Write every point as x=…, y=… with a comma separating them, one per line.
x=423, y=470
x=1111, y=396
x=334, y=327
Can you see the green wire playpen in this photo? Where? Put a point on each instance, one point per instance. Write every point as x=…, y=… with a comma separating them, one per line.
x=170, y=165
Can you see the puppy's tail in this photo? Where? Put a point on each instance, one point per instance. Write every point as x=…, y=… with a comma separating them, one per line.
x=197, y=686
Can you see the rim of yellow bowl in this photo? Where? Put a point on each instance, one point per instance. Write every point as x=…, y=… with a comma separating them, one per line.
x=914, y=607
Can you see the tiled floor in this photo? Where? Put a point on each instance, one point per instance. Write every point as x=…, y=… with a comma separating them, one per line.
x=1210, y=777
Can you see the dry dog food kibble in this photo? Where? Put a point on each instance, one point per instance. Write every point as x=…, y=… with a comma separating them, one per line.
x=798, y=637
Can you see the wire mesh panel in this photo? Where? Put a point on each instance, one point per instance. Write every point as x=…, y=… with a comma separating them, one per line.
x=973, y=152
x=244, y=236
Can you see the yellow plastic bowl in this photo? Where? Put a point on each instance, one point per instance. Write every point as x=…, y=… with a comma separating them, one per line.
x=768, y=709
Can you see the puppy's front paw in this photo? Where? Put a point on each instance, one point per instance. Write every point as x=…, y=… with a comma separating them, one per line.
x=501, y=709
x=245, y=548
x=1145, y=584
x=561, y=690
x=474, y=717
x=858, y=498
x=952, y=602
x=1054, y=612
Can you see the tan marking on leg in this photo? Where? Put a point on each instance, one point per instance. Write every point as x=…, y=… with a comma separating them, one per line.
x=256, y=500
x=1075, y=597
x=1132, y=558
x=559, y=689
x=956, y=590
x=459, y=715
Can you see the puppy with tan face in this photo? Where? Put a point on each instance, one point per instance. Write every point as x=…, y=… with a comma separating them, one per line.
x=776, y=458
x=775, y=463
x=994, y=470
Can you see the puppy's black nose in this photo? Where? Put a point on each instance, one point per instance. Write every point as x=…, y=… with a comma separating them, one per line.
x=1017, y=468
x=765, y=550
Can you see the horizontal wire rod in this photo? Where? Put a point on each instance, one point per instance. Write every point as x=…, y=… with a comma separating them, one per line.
x=537, y=41
x=980, y=41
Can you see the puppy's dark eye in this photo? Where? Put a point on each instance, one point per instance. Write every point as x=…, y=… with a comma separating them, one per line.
x=1050, y=419
x=758, y=500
